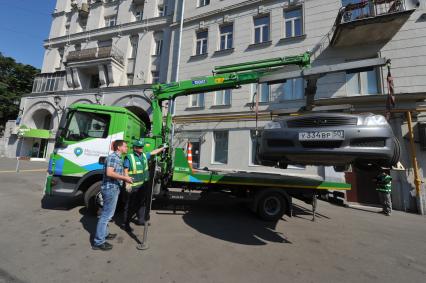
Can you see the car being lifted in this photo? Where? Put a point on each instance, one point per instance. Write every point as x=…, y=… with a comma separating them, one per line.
x=329, y=139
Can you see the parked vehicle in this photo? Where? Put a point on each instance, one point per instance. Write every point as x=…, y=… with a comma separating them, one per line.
x=338, y=139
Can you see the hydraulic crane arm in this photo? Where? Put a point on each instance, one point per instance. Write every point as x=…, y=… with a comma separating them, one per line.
x=227, y=77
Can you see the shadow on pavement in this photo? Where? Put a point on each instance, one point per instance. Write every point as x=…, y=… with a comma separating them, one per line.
x=89, y=222
x=61, y=203
x=233, y=224
x=299, y=211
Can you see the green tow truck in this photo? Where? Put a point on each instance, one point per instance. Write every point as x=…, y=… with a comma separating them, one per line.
x=87, y=131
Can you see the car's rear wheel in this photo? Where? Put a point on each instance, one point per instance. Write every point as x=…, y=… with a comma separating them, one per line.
x=396, y=152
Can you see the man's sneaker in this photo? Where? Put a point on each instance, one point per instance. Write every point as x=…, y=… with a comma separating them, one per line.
x=103, y=247
x=111, y=236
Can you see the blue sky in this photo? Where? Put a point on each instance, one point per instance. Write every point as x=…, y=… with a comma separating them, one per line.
x=24, y=24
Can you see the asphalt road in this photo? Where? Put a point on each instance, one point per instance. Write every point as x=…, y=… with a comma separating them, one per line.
x=49, y=241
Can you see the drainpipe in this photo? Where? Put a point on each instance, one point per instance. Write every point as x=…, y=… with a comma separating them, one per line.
x=172, y=104
x=417, y=181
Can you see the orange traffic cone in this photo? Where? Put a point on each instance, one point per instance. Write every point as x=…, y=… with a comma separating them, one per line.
x=189, y=154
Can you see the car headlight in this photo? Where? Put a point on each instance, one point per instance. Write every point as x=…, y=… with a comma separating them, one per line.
x=375, y=120
x=272, y=125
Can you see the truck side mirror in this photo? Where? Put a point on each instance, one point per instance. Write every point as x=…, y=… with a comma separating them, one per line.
x=59, y=142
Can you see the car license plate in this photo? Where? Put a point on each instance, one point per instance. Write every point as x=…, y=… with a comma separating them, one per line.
x=321, y=135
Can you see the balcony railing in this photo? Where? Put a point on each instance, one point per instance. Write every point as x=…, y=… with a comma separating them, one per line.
x=96, y=53
x=49, y=82
x=360, y=9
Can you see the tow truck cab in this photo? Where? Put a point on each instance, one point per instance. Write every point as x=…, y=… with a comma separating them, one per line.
x=83, y=142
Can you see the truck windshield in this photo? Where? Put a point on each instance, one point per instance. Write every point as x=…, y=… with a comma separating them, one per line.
x=82, y=125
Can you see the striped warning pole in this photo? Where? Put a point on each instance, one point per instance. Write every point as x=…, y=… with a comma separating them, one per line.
x=189, y=154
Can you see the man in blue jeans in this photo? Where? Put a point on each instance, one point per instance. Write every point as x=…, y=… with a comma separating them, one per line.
x=112, y=181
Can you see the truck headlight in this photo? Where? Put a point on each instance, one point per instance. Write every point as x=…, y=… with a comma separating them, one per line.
x=375, y=120
x=272, y=125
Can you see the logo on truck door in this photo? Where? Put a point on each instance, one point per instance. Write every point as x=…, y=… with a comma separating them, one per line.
x=78, y=151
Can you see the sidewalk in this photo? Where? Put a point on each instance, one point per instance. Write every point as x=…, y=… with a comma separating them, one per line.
x=8, y=165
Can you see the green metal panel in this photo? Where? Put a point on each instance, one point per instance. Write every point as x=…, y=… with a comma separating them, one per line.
x=183, y=173
x=26, y=132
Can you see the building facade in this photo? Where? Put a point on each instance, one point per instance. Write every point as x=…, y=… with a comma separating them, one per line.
x=109, y=52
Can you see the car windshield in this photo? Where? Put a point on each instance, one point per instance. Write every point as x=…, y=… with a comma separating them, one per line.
x=82, y=125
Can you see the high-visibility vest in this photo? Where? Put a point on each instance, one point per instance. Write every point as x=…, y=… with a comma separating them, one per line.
x=138, y=169
x=384, y=183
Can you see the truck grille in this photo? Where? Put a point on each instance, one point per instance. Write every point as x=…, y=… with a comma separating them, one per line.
x=321, y=144
x=368, y=142
x=314, y=122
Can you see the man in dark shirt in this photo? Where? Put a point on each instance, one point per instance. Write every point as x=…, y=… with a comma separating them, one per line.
x=136, y=166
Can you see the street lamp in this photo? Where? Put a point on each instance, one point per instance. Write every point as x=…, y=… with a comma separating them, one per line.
x=17, y=102
x=57, y=99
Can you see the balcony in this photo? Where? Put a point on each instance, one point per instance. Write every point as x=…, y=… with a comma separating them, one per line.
x=109, y=52
x=368, y=22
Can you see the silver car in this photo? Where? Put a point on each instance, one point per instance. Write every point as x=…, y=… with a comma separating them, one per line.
x=330, y=139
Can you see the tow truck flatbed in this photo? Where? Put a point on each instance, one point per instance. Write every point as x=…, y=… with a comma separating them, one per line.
x=184, y=175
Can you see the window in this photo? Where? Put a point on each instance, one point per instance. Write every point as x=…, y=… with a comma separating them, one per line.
x=83, y=125
x=292, y=89
x=264, y=93
x=161, y=10
x=110, y=21
x=134, y=46
x=202, y=3
x=67, y=24
x=361, y=83
x=220, y=147
x=130, y=79
x=105, y=43
x=360, y=11
x=155, y=77
x=61, y=56
x=253, y=148
x=196, y=100
x=223, y=97
x=158, y=47
x=226, y=36
x=261, y=29
x=139, y=14
x=48, y=82
x=201, y=43
x=293, y=24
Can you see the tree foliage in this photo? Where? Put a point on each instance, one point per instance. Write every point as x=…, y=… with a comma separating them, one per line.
x=16, y=79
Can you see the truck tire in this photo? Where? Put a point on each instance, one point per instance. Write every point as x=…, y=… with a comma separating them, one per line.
x=93, y=199
x=271, y=206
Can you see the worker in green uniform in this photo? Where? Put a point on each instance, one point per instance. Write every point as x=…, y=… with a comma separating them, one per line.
x=135, y=194
x=384, y=187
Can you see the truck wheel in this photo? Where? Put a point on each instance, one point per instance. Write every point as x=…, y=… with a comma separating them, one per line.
x=271, y=207
x=93, y=198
